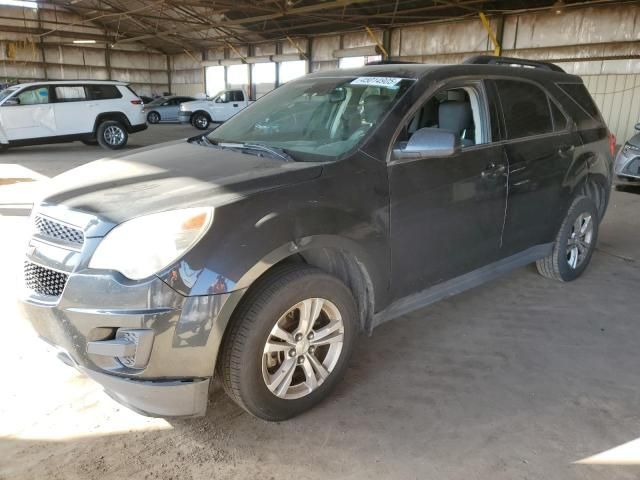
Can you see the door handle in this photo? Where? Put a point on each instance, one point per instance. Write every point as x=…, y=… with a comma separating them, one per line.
x=492, y=171
x=564, y=149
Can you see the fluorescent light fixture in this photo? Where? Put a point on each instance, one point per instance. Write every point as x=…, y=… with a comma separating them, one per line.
x=19, y=3
x=82, y=41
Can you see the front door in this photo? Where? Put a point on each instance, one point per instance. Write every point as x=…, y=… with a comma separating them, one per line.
x=447, y=213
x=32, y=115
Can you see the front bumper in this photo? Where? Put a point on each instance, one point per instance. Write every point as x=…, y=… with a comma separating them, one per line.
x=184, y=117
x=170, y=373
x=627, y=164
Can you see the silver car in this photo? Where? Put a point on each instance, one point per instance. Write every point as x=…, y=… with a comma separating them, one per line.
x=165, y=109
x=627, y=166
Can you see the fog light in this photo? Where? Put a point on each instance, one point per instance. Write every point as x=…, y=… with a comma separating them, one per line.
x=131, y=347
x=143, y=340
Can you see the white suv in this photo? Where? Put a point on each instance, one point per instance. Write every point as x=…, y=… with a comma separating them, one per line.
x=92, y=111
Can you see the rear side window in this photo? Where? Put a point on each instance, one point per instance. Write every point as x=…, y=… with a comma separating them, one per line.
x=236, y=96
x=580, y=95
x=103, y=92
x=525, y=108
x=70, y=93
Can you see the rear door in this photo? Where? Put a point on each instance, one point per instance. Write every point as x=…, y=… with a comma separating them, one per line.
x=73, y=112
x=447, y=213
x=540, y=146
x=32, y=117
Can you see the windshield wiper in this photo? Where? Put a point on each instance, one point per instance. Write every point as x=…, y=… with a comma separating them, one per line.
x=278, y=152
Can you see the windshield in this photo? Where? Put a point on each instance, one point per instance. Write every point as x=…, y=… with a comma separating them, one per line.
x=315, y=119
x=6, y=92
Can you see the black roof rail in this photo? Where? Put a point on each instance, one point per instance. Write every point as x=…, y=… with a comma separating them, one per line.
x=492, y=60
x=390, y=62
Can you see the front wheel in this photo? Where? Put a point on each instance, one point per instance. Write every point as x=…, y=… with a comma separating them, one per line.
x=289, y=342
x=574, y=243
x=200, y=121
x=112, y=135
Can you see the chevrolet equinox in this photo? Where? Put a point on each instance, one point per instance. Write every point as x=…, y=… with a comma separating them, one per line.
x=257, y=252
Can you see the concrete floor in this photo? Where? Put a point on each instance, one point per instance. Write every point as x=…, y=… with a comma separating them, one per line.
x=517, y=379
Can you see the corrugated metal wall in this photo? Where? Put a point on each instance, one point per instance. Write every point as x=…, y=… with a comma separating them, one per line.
x=22, y=58
x=618, y=97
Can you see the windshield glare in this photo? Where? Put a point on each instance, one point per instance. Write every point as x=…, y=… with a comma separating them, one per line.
x=6, y=92
x=315, y=119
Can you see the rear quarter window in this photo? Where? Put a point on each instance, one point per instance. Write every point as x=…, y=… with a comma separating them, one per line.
x=103, y=92
x=580, y=95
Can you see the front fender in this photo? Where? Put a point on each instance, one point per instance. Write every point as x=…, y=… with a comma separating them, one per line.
x=250, y=236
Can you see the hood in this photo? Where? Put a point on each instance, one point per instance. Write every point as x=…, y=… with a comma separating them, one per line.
x=170, y=176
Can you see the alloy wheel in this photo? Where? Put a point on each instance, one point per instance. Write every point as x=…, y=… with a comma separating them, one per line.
x=303, y=348
x=579, y=241
x=201, y=121
x=114, y=135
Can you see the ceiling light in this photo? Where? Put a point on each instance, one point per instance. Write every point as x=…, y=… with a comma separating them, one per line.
x=84, y=41
x=558, y=7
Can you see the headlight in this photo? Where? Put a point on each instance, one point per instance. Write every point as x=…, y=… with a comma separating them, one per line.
x=630, y=150
x=143, y=246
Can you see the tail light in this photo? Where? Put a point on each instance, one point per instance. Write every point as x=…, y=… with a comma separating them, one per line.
x=137, y=101
x=612, y=144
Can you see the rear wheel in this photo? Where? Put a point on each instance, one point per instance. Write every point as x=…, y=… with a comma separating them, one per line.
x=574, y=243
x=289, y=342
x=153, y=117
x=112, y=135
x=200, y=121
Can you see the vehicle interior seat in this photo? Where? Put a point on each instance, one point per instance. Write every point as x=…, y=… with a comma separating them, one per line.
x=457, y=117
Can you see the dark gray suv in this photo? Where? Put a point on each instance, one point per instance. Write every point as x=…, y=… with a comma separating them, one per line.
x=257, y=252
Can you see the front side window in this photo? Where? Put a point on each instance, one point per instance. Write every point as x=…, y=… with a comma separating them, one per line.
x=525, y=108
x=33, y=96
x=315, y=119
x=70, y=93
x=458, y=110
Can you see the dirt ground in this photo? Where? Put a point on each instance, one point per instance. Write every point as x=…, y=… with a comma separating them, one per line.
x=518, y=379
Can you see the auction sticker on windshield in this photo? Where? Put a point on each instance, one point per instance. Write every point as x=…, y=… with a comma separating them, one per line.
x=388, y=82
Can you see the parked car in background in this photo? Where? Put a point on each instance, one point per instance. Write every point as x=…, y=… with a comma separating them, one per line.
x=627, y=166
x=258, y=251
x=102, y=112
x=165, y=109
x=220, y=108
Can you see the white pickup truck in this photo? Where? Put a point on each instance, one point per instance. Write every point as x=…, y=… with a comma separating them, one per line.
x=201, y=113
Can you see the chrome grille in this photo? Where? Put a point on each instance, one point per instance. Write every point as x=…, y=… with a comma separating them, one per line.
x=44, y=281
x=58, y=231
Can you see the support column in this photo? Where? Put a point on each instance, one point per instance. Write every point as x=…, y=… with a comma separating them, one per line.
x=107, y=57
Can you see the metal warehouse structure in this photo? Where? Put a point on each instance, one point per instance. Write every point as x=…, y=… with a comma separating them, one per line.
x=197, y=46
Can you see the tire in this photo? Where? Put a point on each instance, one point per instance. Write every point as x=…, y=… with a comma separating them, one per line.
x=200, y=121
x=153, y=117
x=112, y=135
x=245, y=368
x=567, y=262
x=92, y=143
